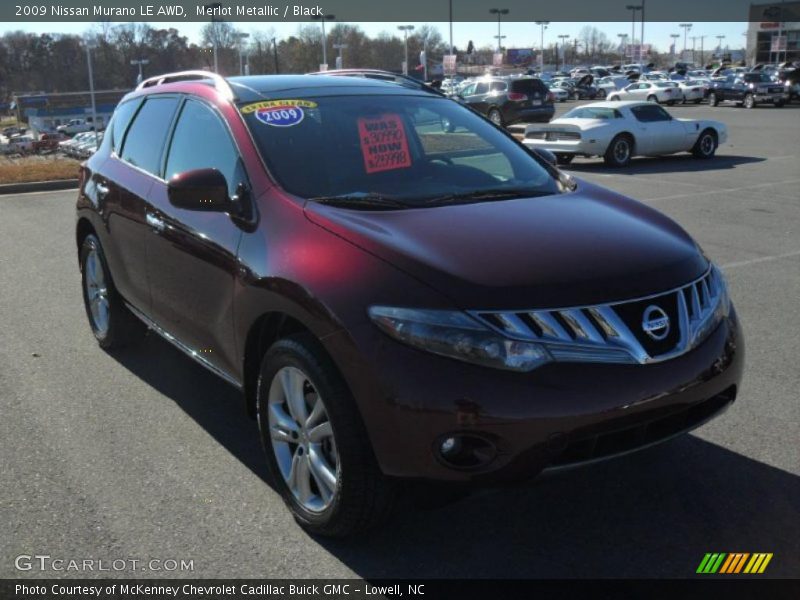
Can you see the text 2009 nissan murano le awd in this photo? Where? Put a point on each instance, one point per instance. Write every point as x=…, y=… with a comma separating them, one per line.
x=398, y=287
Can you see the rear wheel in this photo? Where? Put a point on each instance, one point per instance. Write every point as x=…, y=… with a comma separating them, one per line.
x=713, y=100
x=619, y=151
x=563, y=158
x=601, y=93
x=112, y=323
x=652, y=98
x=670, y=102
x=316, y=445
x=749, y=101
x=495, y=117
x=706, y=145
x=779, y=103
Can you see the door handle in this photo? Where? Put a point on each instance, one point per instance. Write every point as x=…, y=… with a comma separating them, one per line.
x=102, y=190
x=155, y=222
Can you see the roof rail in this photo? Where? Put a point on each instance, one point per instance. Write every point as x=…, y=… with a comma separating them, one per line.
x=220, y=83
x=380, y=75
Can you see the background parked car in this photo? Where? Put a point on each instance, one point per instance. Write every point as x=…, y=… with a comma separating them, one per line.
x=612, y=83
x=76, y=126
x=48, y=142
x=652, y=91
x=748, y=89
x=505, y=101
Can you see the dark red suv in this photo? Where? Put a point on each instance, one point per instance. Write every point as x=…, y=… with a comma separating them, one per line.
x=399, y=288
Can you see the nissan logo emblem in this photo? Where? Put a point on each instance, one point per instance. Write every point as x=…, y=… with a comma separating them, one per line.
x=655, y=322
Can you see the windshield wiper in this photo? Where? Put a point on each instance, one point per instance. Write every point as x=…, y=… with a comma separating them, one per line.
x=490, y=194
x=362, y=201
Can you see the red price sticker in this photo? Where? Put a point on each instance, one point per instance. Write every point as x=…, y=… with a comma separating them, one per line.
x=383, y=143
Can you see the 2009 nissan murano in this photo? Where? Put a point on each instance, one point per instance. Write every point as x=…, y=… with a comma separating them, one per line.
x=399, y=288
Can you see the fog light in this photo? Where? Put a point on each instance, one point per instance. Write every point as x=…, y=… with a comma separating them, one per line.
x=465, y=451
x=450, y=446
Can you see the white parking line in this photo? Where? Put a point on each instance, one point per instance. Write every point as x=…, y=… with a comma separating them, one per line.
x=722, y=191
x=753, y=261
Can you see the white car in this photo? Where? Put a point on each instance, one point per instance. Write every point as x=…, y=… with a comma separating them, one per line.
x=692, y=90
x=20, y=144
x=559, y=94
x=652, y=91
x=608, y=85
x=618, y=131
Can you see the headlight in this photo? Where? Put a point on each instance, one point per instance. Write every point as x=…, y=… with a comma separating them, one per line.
x=456, y=335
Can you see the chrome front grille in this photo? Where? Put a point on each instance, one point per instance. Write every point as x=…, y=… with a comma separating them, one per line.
x=614, y=332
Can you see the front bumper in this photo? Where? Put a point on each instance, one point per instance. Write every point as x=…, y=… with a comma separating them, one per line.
x=772, y=97
x=559, y=415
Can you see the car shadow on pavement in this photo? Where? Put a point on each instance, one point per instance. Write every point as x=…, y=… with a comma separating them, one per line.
x=650, y=514
x=678, y=163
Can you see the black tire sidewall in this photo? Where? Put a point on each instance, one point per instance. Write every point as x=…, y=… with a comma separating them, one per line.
x=90, y=243
x=611, y=155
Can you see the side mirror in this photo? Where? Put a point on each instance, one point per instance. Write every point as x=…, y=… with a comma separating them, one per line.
x=201, y=189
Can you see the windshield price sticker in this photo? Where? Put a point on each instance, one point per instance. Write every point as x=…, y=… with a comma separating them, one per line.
x=383, y=143
x=279, y=113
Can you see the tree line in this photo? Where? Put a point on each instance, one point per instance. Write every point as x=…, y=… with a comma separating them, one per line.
x=53, y=62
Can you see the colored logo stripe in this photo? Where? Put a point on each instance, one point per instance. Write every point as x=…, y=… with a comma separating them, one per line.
x=723, y=563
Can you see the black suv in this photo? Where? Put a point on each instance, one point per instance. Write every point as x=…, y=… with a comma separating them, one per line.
x=508, y=100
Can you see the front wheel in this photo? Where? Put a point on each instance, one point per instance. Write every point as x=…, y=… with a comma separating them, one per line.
x=652, y=99
x=779, y=104
x=613, y=98
x=601, y=93
x=749, y=101
x=706, y=145
x=713, y=100
x=112, y=323
x=316, y=445
x=619, y=151
x=563, y=158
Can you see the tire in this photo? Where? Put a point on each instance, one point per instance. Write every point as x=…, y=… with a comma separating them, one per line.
x=613, y=98
x=670, y=102
x=564, y=159
x=495, y=116
x=706, y=145
x=698, y=101
x=345, y=491
x=749, y=101
x=615, y=156
x=112, y=323
x=652, y=98
x=779, y=104
x=601, y=93
x=713, y=100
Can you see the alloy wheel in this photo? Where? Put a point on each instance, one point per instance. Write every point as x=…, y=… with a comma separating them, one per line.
x=96, y=292
x=707, y=144
x=621, y=150
x=302, y=439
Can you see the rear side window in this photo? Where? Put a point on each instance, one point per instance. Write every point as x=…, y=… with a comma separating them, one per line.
x=201, y=141
x=122, y=118
x=481, y=88
x=146, y=135
x=650, y=113
x=498, y=86
x=528, y=86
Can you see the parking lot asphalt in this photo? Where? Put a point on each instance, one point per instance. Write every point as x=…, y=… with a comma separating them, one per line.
x=142, y=454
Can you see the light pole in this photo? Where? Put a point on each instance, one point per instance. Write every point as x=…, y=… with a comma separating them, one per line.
x=451, y=26
x=674, y=37
x=141, y=62
x=239, y=37
x=212, y=6
x=322, y=18
x=719, y=46
x=339, y=60
x=424, y=58
x=499, y=12
x=686, y=28
x=543, y=25
x=641, y=39
x=275, y=53
x=563, y=37
x=91, y=92
x=623, y=42
x=405, y=29
x=633, y=8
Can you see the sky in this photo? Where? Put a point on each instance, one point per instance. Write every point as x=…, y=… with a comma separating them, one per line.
x=518, y=35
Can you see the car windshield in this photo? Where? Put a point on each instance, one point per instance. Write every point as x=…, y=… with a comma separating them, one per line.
x=595, y=112
x=391, y=151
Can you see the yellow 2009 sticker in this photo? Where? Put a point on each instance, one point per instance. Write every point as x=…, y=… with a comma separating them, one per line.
x=279, y=113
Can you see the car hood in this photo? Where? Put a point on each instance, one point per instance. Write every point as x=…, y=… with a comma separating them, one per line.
x=584, y=247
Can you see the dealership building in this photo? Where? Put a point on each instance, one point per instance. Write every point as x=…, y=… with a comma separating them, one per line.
x=45, y=112
x=773, y=34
